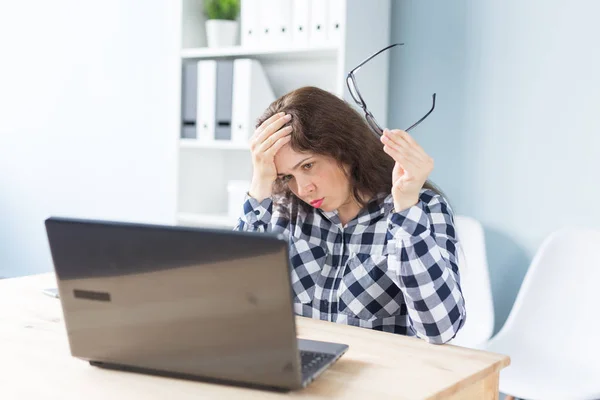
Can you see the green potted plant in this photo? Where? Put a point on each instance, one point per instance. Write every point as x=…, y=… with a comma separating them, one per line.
x=221, y=24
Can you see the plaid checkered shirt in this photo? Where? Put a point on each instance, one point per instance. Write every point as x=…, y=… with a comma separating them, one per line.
x=391, y=271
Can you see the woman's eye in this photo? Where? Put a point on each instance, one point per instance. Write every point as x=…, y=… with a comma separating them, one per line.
x=307, y=166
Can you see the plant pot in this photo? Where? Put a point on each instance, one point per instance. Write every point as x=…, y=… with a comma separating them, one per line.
x=221, y=33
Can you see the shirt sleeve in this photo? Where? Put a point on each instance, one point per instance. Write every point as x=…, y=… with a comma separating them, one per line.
x=260, y=217
x=424, y=261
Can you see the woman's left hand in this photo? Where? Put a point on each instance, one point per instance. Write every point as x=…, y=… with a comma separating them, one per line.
x=412, y=168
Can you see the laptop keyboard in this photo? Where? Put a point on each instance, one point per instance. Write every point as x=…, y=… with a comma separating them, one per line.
x=312, y=362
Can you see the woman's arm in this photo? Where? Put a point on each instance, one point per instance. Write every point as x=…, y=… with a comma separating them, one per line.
x=260, y=217
x=425, y=263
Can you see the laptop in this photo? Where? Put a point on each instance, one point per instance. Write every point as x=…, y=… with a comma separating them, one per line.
x=196, y=303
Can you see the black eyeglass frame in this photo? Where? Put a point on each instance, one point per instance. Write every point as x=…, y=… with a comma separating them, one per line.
x=355, y=93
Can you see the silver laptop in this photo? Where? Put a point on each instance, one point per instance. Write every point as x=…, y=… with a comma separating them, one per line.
x=195, y=303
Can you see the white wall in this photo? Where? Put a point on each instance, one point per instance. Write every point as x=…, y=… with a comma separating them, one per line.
x=516, y=134
x=88, y=118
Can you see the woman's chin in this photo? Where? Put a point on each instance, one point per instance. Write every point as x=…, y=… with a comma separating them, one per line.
x=327, y=208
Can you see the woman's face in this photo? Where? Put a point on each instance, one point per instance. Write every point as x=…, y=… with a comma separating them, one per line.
x=315, y=179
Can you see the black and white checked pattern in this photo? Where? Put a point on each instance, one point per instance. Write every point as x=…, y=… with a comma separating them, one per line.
x=391, y=271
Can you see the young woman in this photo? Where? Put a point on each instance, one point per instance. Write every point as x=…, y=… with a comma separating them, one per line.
x=372, y=242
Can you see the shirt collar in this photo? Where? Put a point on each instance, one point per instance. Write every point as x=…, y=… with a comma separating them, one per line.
x=382, y=203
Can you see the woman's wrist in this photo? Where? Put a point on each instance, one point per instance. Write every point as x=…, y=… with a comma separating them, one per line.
x=260, y=191
x=404, y=204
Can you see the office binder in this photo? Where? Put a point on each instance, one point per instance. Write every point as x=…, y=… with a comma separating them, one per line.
x=252, y=94
x=300, y=22
x=206, y=100
x=280, y=22
x=266, y=23
x=250, y=22
x=335, y=18
x=319, y=10
x=224, y=88
x=189, y=86
x=214, y=100
x=188, y=131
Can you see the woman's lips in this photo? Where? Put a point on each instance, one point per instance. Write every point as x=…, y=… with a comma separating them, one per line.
x=317, y=203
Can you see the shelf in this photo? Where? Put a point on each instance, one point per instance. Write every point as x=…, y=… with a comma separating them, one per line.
x=206, y=166
x=311, y=52
x=219, y=145
x=212, y=220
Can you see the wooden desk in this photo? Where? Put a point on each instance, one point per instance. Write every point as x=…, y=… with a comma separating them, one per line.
x=36, y=362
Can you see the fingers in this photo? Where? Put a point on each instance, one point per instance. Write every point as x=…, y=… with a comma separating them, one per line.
x=405, y=141
x=273, y=138
x=397, y=173
x=278, y=145
x=269, y=127
x=399, y=152
x=401, y=157
x=268, y=122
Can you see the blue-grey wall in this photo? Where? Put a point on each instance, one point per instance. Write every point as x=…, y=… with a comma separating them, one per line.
x=516, y=132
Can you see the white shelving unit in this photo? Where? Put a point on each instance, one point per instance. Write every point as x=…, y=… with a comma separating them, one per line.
x=215, y=145
x=204, y=168
x=272, y=54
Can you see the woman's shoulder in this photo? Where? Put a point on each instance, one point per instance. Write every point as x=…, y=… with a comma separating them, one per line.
x=435, y=201
x=426, y=195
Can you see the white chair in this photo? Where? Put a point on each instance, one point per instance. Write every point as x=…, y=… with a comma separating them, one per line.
x=475, y=284
x=552, y=333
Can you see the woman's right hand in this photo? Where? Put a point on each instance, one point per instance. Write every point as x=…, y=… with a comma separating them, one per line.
x=266, y=141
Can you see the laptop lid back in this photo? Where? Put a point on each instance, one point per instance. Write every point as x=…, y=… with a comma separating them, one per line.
x=203, y=302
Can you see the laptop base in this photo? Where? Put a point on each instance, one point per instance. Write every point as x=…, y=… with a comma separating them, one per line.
x=176, y=375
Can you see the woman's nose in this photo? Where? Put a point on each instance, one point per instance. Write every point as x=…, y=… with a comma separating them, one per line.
x=305, y=189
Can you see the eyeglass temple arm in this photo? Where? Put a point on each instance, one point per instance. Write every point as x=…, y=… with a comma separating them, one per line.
x=425, y=116
x=372, y=56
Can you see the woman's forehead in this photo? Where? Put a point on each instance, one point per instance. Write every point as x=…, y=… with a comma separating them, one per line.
x=287, y=153
x=287, y=158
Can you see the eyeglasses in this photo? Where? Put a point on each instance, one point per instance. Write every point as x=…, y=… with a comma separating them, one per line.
x=353, y=88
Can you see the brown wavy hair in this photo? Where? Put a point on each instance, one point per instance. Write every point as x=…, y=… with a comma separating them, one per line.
x=324, y=124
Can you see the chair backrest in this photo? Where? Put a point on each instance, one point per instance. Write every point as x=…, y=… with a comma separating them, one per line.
x=475, y=284
x=558, y=306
